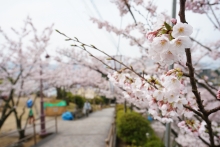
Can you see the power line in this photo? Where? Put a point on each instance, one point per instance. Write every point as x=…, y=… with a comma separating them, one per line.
x=83, y=20
x=119, y=39
x=111, y=37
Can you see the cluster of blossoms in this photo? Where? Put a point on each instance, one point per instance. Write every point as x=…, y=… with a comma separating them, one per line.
x=167, y=43
x=197, y=6
x=187, y=140
x=163, y=97
x=196, y=128
x=216, y=132
x=190, y=126
x=124, y=4
x=218, y=94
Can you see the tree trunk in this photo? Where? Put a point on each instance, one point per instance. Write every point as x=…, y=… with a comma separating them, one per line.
x=131, y=107
x=3, y=119
x=59, y=93
x=21, y=134
x=67, y=100
x=19, y=125
x=125, y=106
x=7, y=106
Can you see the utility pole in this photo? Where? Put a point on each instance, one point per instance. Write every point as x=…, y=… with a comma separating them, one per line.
x=168, y=127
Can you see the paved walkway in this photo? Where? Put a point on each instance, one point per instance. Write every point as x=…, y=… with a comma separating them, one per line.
x=86, y=132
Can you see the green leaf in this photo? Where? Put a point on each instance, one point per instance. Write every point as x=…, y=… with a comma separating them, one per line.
x=167, y=26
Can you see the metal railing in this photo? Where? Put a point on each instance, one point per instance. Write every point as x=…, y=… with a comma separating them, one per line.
x=110, y=141
x=34, y=135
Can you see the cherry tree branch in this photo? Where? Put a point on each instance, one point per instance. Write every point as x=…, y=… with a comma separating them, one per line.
x=206, y=86
x=78, y=61
x=110, y=57
x=129, y=9
x=197, y=94
x=142, y=16
x=213, y=110
x=201, y=44
x=193, y=81
x=211, y=21
x=214, y=15
x=83, y=47
x=193, y=110
x=204, y=141
x=4, y=69
x=207, y=82
x=19, y=95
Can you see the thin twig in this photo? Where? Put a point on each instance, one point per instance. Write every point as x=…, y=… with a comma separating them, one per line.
x=112, y=58
x=213, y=110
x=196, y=112
x=206, y=86
x=214, y=15
x=201, y=44
x=204, y=141
x=129, y=9
x=207, y=82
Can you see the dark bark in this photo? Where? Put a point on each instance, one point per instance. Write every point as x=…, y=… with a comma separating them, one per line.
x=59, y=92
x=125, y=106
x=19, y=125
x=4, y=118
x=5, y=112
x=193, y=81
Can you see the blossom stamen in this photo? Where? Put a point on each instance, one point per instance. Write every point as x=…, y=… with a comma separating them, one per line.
x=181, y=30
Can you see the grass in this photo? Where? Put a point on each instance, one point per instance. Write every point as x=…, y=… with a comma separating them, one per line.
x=71, y=107
x=10, y=124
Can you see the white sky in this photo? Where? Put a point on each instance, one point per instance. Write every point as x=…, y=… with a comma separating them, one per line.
x=72, y=18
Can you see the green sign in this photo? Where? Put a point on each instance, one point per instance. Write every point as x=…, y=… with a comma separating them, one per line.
x=59, y=104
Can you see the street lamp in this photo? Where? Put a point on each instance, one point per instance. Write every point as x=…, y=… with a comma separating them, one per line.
x=42, y=114
x=168, y=127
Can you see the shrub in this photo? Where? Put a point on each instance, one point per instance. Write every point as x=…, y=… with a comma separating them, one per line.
x=132, y=128
x=105, y=100
x=77, y=99
x=120, y=113
x=154, y=141
x=98, y=100
x=119, y=107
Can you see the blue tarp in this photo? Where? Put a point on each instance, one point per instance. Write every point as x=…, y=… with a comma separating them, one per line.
x=29, y=103
x=150, y=118
x=67, y=116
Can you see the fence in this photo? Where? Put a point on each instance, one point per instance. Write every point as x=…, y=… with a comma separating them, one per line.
x=110, y=141
x=34, y=135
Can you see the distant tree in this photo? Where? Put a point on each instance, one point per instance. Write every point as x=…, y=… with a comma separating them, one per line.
x=20, y=67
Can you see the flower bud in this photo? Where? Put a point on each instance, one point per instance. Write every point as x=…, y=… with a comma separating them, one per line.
x=174, y=21
x=151, y=35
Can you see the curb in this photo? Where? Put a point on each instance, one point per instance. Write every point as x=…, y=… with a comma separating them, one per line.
x=45, y=140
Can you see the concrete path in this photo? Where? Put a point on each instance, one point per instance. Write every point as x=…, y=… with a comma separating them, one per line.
x=86, y=132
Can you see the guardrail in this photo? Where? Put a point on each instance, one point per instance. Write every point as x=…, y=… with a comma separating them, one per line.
x=110, y=141
x=34, y=131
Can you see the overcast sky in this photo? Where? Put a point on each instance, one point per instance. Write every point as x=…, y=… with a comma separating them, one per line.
x=72, y=18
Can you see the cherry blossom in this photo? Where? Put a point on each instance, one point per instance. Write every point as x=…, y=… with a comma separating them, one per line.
x=182, y=29
x=169, y=95
x=165, y=49
x=161, y=96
